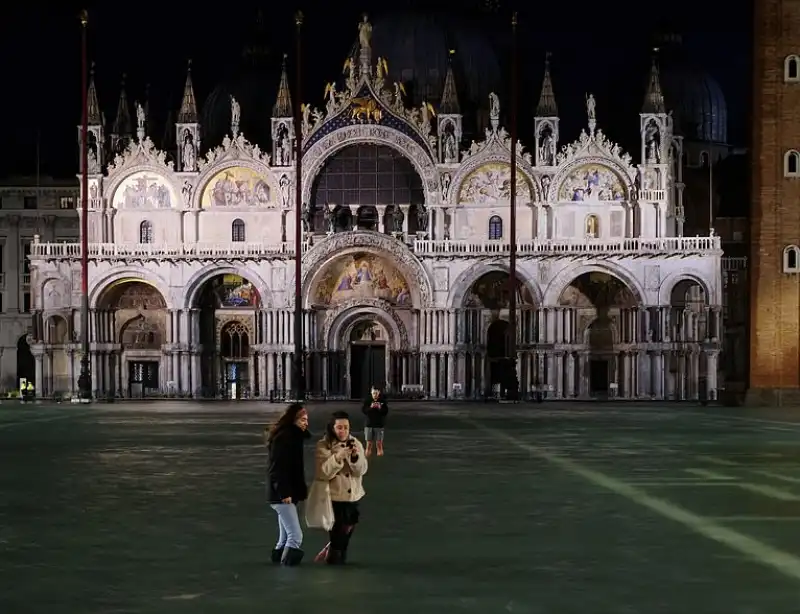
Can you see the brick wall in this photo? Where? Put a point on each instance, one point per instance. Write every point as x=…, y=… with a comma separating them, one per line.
x=775, y=300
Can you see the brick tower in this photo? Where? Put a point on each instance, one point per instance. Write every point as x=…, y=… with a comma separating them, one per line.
x=775, y=255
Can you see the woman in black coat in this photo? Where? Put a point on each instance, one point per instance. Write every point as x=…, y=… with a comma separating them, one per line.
x=286, y=481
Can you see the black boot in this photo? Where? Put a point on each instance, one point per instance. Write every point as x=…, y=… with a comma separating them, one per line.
x=292, y=557
x=346, y=542
x=335, y=557
x=277, y=555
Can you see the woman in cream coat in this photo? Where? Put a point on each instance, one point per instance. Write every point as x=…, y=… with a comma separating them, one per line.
x=341, y=461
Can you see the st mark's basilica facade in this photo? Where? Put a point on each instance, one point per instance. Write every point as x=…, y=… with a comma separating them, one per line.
x=405, y=254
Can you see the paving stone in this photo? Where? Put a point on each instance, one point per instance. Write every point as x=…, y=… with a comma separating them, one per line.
x=151, y=508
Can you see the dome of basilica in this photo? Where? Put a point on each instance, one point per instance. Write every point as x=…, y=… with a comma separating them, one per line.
x=697, y=104
x=695, y=98
x=416, y=48
x=254, y=85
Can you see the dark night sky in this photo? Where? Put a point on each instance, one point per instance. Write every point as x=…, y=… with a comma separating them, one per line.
x=151, y=42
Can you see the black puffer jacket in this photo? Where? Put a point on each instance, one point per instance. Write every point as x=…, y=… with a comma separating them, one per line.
x=286, y=471
x=376, y=412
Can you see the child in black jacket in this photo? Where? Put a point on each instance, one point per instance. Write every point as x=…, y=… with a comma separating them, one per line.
x=375, y=409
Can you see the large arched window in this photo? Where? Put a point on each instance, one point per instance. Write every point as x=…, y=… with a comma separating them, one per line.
x=146, y=232
x=237, y=231
x=367, y=175
x=495, y=228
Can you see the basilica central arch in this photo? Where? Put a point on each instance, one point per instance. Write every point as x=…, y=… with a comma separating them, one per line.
x=361, y=302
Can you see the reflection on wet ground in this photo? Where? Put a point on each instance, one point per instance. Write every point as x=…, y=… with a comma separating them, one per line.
x=476, y=508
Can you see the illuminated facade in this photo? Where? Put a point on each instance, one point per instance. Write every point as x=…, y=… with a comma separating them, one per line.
x=404, y=256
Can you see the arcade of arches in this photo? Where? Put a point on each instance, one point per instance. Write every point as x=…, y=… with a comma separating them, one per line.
x=597, y=338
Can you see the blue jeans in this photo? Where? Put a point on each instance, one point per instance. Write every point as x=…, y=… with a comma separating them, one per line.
x=290, y=534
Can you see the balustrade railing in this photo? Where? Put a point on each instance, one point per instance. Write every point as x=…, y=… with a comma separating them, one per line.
x=652, y=195
x=734, y=263
x=421, y=247
x=547, y=247
x=183, y=251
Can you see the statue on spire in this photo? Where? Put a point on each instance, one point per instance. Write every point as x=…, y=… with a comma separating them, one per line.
x=365, y=53
x=591, y=104
x=365, y=32
x=235, y=116
x=140, y=119
x=494, y=110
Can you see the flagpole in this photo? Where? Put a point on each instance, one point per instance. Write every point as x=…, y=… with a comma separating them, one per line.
x=85, y=378
x=298, y=377
x=513, y=390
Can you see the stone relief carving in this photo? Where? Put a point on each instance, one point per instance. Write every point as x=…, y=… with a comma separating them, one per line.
x=492, y=182
x=143, y=191
x=441, y=279
x=278, y=277
x=498, y=140
x=140, y=153
x=405, y=260
x=596, y=145
x=652, y=277
x=544, y=273
x=55, y=294
x=238, y=148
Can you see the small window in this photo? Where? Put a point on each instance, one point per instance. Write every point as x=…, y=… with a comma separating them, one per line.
x=237, y=231
x=592, y=226
x=791, y=69
x=26, y=302
x=704, y=159
x=30, y=202
x=66, y=202
x=495, y=228
x=145, y=232
x=791, y=164
x=791, y=259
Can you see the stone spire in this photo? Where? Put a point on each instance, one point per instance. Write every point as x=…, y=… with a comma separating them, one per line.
x=283, y=104
x=188, y=112
x=187, y=128
x=95, y=139
x=654, y=99
x=122, y=123
x=95, y=117
x=449, y=104
x=547, y=100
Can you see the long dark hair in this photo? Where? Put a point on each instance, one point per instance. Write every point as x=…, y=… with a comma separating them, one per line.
x=330, y=433
x=287, y=419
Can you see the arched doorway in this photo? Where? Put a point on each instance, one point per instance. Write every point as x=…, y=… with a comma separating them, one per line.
x=26, y=365
x=228, y=307
x=603, y=315
x=367, y=349
x=359, y=180
x=58, y=378
x=342, y=296
x=131, y=314
x=488, y=361
x=689, y=326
